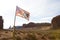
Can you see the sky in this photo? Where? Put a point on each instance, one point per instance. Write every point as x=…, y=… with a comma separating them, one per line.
x=40, y=11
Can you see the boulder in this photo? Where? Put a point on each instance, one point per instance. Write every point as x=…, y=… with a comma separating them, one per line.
x=56, y=22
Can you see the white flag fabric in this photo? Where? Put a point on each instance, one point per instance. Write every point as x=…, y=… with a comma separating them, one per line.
x=22, y=13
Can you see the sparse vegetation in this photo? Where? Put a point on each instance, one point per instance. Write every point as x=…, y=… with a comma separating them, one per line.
x=18, y=38
x=6, y=32
x=4, y=39
x=32, y=35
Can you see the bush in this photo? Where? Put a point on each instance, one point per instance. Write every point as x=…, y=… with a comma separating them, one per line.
x=18, y=38
x=31, y=37
x=18, y=32
x=6, y=32
x=4, y=39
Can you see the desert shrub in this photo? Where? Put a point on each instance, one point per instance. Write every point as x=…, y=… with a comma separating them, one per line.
x=18, y=38
x=6, y=32
x=30, y=37
x=22, y=31
x=54, y=34
x=51, y=37
x=43, y=37
x=18, y=32
x=39, y=33
x=4, y=39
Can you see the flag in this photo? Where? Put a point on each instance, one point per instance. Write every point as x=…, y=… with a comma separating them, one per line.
x=22, y=13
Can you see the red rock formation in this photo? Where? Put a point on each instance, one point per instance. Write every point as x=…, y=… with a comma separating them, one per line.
x=1, y=22
x=31, y=25
x=56, y=22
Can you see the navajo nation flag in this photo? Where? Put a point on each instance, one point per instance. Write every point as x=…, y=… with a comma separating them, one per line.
x=22, y=13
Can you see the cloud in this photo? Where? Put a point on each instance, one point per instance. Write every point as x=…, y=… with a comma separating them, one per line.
x=53, y=7
x=40, y=10
x=47, y=19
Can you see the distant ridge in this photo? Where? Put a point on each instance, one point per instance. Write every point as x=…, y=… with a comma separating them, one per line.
x=33, y=25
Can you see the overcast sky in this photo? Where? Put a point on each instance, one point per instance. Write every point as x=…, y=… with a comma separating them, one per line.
x=40, y=11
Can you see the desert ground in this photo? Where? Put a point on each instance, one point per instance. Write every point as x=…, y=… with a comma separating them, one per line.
x=30, y=34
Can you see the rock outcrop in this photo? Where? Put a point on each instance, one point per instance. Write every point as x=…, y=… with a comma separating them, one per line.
x=56, y=22
x=1, y=22
x=31, y=25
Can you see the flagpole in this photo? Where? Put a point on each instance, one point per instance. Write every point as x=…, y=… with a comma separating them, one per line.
x=14, y=27
x=27, y=16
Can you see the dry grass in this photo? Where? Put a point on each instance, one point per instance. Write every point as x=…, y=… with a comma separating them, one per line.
x=31, y=34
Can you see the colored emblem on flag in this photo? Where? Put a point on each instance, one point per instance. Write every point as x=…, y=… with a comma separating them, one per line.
x=22, y=13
